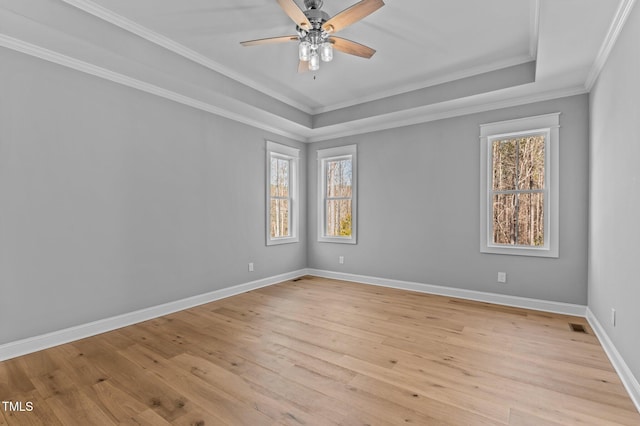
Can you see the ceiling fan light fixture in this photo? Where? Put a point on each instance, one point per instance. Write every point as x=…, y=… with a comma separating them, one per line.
x=315, y=29
x=326, y=51
x=304, y=51
x=314, y=61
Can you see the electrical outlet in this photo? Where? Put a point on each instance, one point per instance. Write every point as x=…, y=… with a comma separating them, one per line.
x=613, y=317
x=250, y=266
x=502, y=277
x=341, y=260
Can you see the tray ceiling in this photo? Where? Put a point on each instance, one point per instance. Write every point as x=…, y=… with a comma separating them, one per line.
x=434, y=58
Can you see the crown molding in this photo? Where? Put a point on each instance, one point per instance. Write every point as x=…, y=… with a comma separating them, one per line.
x=458, y=75
x=436, y=112
x=237, y=111
x=624, y=9
x=175, y=47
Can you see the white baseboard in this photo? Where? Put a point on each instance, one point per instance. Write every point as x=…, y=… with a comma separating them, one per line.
x=37, y=343
x=628, y=379
x=500, y=299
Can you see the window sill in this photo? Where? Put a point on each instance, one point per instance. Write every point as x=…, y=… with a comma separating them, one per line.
x=339, y=240
x=520, y=251
x=279, y=241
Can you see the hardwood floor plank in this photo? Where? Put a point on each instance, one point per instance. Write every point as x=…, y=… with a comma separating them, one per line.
x=520, y=418
x=151, y=418
x=326, y=409
x=319, y=351
x=37, y=364
x=75, y=407
x=277, y=409
x=13, y=379
x=115, y=402
x=442, y=390
x=80, y=369
x=215, y=400
x=422, y=402
x=265, y=316
x=139, y=384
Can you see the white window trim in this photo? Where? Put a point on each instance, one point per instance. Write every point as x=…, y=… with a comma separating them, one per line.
x=325, y=155
x=549, y=123
x=293, y=155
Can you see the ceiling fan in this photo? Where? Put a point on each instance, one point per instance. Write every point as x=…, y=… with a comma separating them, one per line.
x=315, y=31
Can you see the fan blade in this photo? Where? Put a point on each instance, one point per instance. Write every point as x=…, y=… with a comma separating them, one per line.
x=270, y=40
x=303, y=66
x=352, y=15
x=351, y=47
x=295, y=13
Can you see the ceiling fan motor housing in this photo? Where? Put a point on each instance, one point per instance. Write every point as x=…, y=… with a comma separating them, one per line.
x=317, y=17
x=313, y=4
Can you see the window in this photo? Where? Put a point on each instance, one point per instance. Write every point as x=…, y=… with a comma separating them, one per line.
x=337, y=194
x=519, y=183
x=282, y=194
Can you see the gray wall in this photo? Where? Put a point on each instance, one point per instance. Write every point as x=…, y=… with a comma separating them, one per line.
x=614, y=227
x=419, y=207
x=112, y=200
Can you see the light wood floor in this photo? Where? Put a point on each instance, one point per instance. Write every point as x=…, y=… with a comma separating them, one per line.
x=318, y=351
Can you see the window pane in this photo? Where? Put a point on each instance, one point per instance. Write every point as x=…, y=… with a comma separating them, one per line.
x=504, y=164
x=518, y=163
x=279, y=177
x=338, y=218
x=504, y=226
x=531, y=220
x=531, y=162
x=279, y=218
x=338, y=178
x=518, y=219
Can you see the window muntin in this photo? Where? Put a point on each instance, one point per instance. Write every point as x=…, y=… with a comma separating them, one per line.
x=282, y=203
x=519, y=182
x=337, y=194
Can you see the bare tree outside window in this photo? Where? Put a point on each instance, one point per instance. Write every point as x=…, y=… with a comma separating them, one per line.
x=518, y=168
x=280, y=197
x=338, y=198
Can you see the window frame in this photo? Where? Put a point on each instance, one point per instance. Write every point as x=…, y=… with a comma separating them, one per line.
x=549, y=124
x=279, y=151
x=324, y=156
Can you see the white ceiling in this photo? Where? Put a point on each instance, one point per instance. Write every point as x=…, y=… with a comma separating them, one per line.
x=467, y=44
